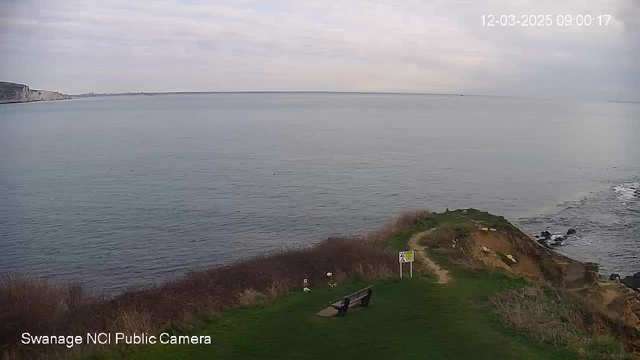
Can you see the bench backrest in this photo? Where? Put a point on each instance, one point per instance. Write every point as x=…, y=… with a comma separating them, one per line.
x=358, y=293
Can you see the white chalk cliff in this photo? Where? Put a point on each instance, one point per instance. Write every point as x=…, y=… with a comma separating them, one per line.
x=18, y=93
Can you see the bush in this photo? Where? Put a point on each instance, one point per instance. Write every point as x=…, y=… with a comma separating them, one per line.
x=445, y=235
x=560, y=319
x=40, y=307
x=411, y=218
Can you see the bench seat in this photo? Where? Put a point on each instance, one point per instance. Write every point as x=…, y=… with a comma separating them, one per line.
x=362, y=295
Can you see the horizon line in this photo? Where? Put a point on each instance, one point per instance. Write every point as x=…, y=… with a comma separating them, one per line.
x=130, y=93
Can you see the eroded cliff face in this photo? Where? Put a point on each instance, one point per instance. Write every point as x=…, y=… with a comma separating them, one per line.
x=44, y=95
x=18, y=93
x=518, y=254
x=10, y=92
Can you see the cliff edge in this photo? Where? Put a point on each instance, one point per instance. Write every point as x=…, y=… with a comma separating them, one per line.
x=19, y=93
x=478, y=240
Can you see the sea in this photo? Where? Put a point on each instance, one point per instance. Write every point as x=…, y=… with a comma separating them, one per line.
x=129, y=191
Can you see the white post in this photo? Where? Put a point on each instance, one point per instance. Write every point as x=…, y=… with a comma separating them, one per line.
x=400, y=270
x=411, y=269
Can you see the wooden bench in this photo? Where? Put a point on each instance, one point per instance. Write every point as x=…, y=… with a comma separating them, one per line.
x=364, y=295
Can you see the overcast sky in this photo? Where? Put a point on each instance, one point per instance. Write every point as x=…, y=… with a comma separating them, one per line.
x=328, y=45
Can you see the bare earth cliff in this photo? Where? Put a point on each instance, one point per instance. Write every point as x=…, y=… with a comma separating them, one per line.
x=18, y=93
x=499, y=245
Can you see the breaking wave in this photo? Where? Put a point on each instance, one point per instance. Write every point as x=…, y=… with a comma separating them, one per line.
x=628, y=191
x=608, y=224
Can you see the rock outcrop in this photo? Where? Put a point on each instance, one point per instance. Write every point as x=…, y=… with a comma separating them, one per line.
x=516, y=253
x=18, y=93
x=632, y=282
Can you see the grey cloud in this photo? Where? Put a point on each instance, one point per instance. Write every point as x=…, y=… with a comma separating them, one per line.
x=352, y=45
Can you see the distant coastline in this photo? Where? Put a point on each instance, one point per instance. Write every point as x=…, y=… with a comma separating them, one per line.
x=11, y=93
x=92, y=94
x=328, y=92
x=20, y=93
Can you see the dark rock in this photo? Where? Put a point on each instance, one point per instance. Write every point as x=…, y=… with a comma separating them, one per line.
x=571, y=231
x=636, y=275
x=545, y=235
x=544, y=243
x=631, y=283
x=559, y=239
x=614, y=277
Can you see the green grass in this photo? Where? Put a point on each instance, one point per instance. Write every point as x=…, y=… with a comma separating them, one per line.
x=407, y=319
x=399, y=238
x=468, y=216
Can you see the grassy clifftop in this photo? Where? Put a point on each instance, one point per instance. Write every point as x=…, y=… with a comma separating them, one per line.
x=256, y=309
x=407, y=319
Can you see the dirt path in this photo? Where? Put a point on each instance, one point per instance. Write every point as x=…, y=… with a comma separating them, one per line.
x=414, y=244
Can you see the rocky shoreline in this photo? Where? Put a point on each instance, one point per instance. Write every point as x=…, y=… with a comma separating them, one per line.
x=552, y=241
x=632, y=282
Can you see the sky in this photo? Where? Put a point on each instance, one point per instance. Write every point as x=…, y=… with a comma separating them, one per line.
x=438, y=46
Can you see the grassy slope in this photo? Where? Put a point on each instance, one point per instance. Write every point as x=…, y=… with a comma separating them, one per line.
x=409, y=318
x=398, y=240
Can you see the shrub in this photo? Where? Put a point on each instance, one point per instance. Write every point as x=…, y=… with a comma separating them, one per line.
x=560, y=319
x=445, y=235
x=408, y=220
x=411, y=218
x=38, y=306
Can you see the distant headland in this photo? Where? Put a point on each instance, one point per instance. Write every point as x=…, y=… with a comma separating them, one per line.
x=19, y=93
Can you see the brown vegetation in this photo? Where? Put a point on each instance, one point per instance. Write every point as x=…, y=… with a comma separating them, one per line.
x=457, y=236
x=42, y=307
x=585, y=312
x=405, y=220
x=411, y=218
x=563, y=320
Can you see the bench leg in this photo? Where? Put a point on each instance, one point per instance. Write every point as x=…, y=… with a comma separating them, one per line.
x=345, y=310
x=365, y=300
x=344, y=307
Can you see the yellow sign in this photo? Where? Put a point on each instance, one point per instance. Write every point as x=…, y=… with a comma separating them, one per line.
x=405, y=256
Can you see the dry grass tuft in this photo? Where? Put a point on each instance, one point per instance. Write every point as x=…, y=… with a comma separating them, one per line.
x=131, y=320
x=276, y=288
x=29, y=304
x=411, y=218
x=38, y=306
x=561, y=320
x=530, y=310
x=251, y=297
x=10, y=355
x=405, y=220
x=445, y=235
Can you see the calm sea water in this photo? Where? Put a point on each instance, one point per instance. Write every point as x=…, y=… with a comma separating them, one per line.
x=127, y=191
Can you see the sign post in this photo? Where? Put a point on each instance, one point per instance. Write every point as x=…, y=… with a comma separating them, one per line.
x=406, y=257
